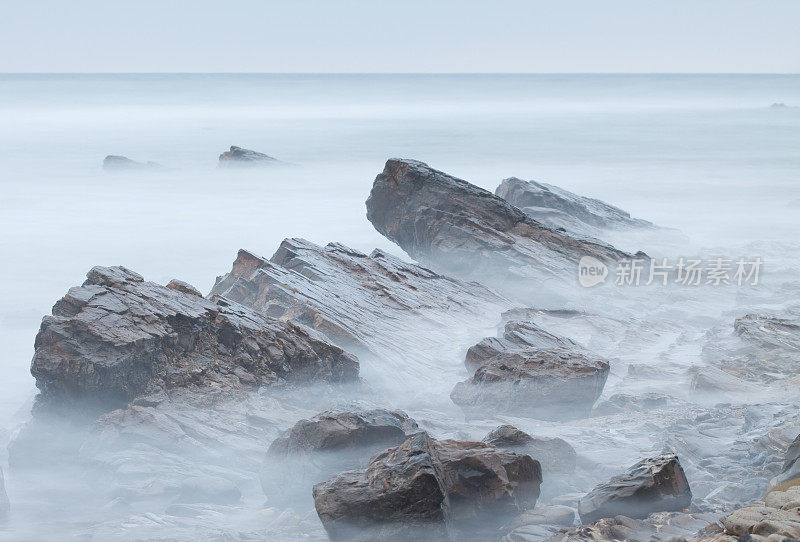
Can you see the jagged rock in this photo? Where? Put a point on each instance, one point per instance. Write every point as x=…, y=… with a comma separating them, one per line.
x=333, y=441
x=184, y=287
x=554, y=454
x=244, y=157
x=559, y=208
x=114, y=162
x=5, y=505
x=620, y=403
x=653, y=485
x=118, y=337
x=712, y=379
x=469, y=232
x=376, y=305
x=791, y=465
x=427, y=488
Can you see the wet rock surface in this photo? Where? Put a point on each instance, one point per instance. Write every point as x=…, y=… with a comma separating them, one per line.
x=444, y=487
x=118, y=337
x=653, y=485
x=237, y=156
x=559, y=208
x=555, y=455
x=468, y=231
x=5, y=504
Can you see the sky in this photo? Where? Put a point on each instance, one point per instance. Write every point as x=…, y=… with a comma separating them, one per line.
x=366, y=36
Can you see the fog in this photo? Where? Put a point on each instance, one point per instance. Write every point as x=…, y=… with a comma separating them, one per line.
x=704, y=155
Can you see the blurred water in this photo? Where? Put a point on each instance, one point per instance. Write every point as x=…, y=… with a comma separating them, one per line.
x=705, y=154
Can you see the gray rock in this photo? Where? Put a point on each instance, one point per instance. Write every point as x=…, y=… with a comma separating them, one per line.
x=620, y=403
x=559, y=208
x=184, y=287
x=653, y=485
x=238, y=156
x=471, y=233
x=123, y=163
x=118, y=337
x=427, y=488
x=555, y=455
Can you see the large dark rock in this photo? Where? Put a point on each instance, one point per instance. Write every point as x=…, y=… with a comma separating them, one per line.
x=118, y=337
x=653, y=485
x=238, y=156
x=527, y=371
x=428, y=489
x=333, y=441
x=555, y=455
x=559, y=208
x=5, y=505
x=467, y=231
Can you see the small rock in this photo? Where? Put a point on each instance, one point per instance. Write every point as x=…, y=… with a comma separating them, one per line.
x=117, y=163
x=653, y=485
x=184, y=287
x=240, y=156
x=555, y=454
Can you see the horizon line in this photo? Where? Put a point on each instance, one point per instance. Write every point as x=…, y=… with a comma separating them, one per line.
x=396, y=73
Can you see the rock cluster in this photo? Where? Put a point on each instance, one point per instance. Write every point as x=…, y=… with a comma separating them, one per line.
x=656, y=484
x=469, y=232
x=118, y=337
x=428, y=488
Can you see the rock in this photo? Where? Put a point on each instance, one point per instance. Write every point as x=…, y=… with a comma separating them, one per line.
x=245, y=157
x=5, y=505
x=117, y=163
x=469, y=232
x=375, y=305
x=559, y=208
x=653, y=485
x=555, y=455
x=427, y=488
x=546, y=515
x=619, y=528
x=184, y=287
x=620, y=403
x=118, y=337
x=549, y=384
x=791, y=467
x=333, y=441
x=209, y=489
x=712, y=379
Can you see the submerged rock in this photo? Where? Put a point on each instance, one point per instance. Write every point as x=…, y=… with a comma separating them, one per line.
x=653, y=485
x=527, y=371
x=559, y=208
x=333, y=441
x=621, y=403
x=427, y=488
x=555, y=455
x=467, y=231
x=117, y=163
x=244, y=157
x=118, y=337
x=5, y=505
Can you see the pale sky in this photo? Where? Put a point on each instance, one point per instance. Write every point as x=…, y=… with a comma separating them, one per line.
x=559, y=36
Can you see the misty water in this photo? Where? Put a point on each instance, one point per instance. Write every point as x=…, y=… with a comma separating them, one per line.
x=706, y=155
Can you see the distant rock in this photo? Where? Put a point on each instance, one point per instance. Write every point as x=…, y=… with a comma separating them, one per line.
x=779, y=105
x=427, y=489
x=116, y=163
x=238, y=156
x=527, y=371
x=5, y=505
x=333, y=441
x=653, y=485
x=118, y=337
x=555, y=455
x=469, y=232
x=559, y=208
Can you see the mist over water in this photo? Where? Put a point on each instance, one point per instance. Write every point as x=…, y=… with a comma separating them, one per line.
x=703, y=154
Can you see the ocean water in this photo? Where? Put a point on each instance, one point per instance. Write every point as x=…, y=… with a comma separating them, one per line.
x=706, y=154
